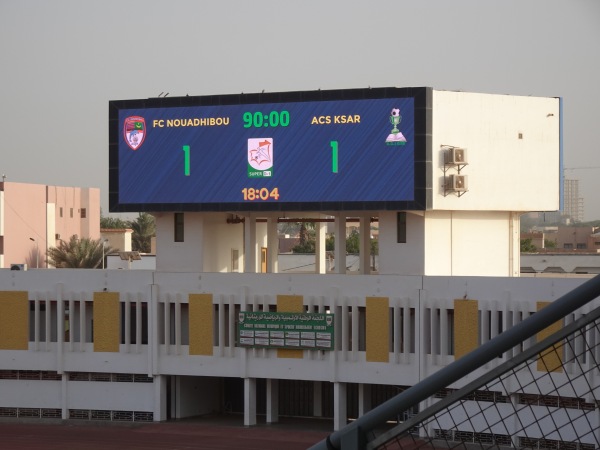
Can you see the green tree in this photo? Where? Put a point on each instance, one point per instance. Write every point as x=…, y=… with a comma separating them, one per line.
x=548, y=243
x=353, y=242
x=374, y=247
x=78, y=253
x=113, y=223
x=307, y=247
x=306, y=234
x=144, y=229
x=330, y=243
x=527, y=246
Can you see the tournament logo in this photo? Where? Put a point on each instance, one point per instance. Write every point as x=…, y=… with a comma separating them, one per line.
x=134, y=131
x=260, y=157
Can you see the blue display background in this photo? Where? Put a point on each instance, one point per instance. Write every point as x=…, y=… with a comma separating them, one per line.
x=369, y=170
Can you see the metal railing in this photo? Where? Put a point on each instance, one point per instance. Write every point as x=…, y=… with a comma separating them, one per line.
x=527, y=402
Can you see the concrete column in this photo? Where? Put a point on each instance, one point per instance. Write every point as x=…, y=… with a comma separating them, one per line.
x=272, y=401
x=64, y=383
x=250, y=250
x=273, y=245
x=340, y=244
x=174, y=383
x=249, y=401
x=514, y=243
x=153, y=327
x=340, y=406
x=317, y=395
x=60, y=327
x=160, y=398
x=199, y=225
x=364, y=245
x=321, y=234
x=364, y=399
x=514, y=399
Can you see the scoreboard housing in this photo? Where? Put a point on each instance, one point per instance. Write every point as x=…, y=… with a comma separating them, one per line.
x=351, y=149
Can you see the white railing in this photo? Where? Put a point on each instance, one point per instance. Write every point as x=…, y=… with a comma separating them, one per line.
x=155, y=335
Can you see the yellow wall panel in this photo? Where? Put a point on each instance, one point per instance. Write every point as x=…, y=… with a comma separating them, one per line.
x=201, y=324
x=466, y=327
x=290, y=303
x=377, y=329
x=551, y=359
x=14, y=320
x=107, y=322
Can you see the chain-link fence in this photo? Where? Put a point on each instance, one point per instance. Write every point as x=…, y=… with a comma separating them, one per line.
x=545, y=396
x=553, y=403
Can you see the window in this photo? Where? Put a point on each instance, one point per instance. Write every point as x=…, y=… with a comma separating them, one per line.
x=401, y=224
x=83, y=213
x=581, y=246
x=178, y=227
x=71, y=212
x=61, y=212
x=568, y=246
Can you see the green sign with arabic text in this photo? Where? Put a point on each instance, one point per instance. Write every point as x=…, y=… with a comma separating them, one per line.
x=307, y=331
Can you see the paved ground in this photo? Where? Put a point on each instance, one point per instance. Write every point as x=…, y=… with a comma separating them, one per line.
x=209, y=434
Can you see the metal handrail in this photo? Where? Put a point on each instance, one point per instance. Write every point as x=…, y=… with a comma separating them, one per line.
x=354, y=435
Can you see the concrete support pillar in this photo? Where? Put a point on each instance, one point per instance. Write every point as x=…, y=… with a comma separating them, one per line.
x=160, y=398
x=320, y=236
x=174, y=383
x=340, y=244
x=514, y=399
x=272, y=245
x=272, y=401
x=364, y=399
x=340, y=406
x=249, y=401
x=364, y=245
x=200, y=226
x=64, y=382
x=250, y=247
x=317, y=395
x=514, y=244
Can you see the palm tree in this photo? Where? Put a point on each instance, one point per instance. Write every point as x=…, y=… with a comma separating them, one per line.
x=78, y=253
x=144, y=229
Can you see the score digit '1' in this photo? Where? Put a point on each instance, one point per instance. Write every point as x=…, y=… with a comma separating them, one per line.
x=334, y=156
x=186, y=160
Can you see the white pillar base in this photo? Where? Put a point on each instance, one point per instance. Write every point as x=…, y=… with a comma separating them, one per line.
x=249, y=401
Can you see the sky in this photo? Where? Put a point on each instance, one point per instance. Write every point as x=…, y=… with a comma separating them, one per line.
x=62, y=61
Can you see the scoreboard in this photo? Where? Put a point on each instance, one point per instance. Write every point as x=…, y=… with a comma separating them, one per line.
x=320, y=150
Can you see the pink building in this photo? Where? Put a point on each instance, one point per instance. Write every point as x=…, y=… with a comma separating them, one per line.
x=34, y=217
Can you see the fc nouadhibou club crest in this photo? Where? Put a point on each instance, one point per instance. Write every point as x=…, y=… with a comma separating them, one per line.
x=134, y=131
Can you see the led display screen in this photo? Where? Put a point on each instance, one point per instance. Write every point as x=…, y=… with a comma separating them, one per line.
x=282, y=152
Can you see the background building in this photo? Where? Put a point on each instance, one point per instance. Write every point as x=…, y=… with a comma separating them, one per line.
x=35, y=217
x=573, y=202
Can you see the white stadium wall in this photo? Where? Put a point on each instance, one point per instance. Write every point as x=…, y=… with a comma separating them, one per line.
x=512, y=145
